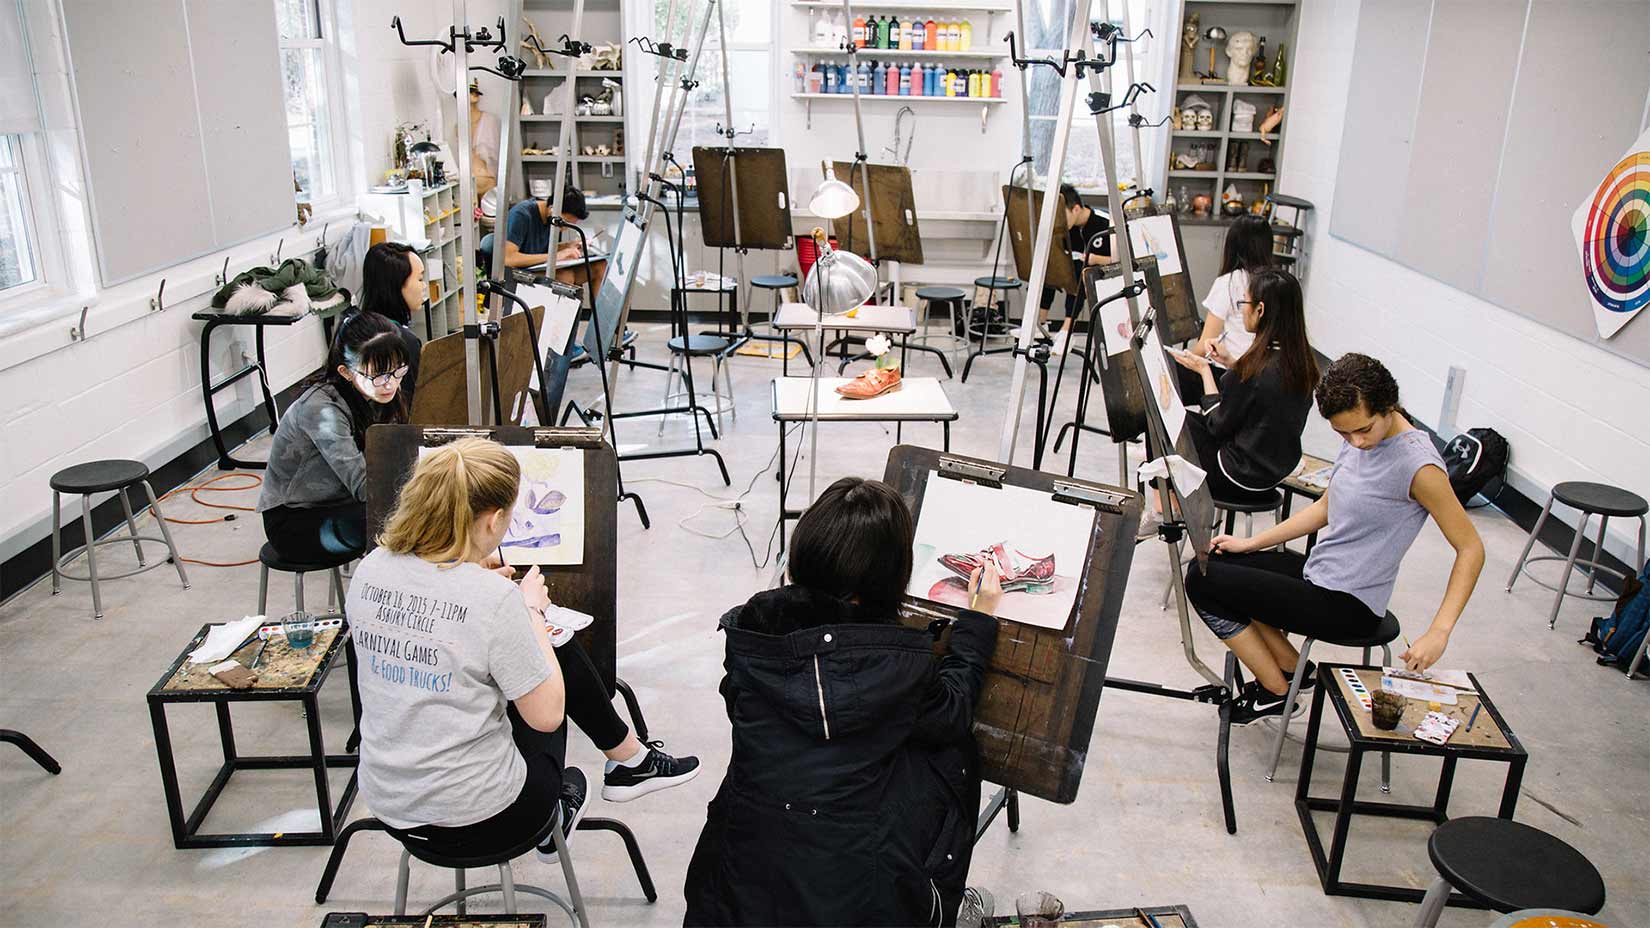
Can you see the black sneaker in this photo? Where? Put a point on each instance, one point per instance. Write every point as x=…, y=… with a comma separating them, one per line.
x=1256, y=702
x=658, y=771
x=1309, y=680
x=575, y=798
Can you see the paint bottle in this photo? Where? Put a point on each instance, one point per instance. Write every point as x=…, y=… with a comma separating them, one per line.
x=905, y=80
x=890, y=85
x=997, y=82
x=829, y=81
x=859, y=32
x=931, y=81
x=919, y=35
x=905, y=35
x=864, y=77
x=955, y=36
x=948, y=83
x=973, y=83
x=816, y=80
x=965, y=38
x=931, y=31
x=878, y=75
x=822, y=30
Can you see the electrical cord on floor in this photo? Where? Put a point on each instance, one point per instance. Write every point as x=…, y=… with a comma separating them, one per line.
x=207, y=487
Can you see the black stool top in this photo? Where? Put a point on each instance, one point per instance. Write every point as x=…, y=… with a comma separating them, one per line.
x=1267, y=503
x=97, y=476
x=773, y=281
x=997, y=283
x=269, y=557
x=1508, y=866
x=1385, y=633
x=1600, y=498
x=700, y=345
x=939, y=293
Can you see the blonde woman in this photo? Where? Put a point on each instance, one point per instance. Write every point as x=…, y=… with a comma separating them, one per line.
x=462, y=693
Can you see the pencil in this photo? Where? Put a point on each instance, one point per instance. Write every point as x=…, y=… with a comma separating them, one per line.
x=1474, y=718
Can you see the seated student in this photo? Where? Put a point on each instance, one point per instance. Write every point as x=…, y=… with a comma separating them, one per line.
x=463, y=696
x=1249, y=436
x=315, y=489
x=392, y=285
x=529, y=232
x=1248, y=248
x=1088, y=234
x=853, y=786
x=1388, y=478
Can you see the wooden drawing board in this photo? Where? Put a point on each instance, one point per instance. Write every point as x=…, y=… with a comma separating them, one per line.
x=442, y=397
x=1062, y=271
x=1042, y=692
x=590, y=587
x=1119, y=377
x=607, y=318
x=893, y=209
x=1177, y=310
x=764, y=197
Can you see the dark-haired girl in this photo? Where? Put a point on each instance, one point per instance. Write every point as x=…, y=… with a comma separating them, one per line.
x=392, y=285
x=314, y=495
x=852, y=790
x=1248, y=248
x=1388, y=478
x=1249, y=436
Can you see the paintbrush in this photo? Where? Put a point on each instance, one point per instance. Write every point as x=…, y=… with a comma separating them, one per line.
x=1146, y=918
x=1474, y=715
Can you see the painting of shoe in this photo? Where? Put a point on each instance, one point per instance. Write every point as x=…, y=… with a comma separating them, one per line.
x=547, y=524
x=1016, y=570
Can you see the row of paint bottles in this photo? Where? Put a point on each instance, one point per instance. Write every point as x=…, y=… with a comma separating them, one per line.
x=905, y=34
x=904, y=80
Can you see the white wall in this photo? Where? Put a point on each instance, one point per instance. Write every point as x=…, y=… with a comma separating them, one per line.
x=1570, y=411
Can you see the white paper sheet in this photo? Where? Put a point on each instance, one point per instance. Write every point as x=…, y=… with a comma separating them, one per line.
x=547, y=526
x=1163, y=390
x=1154, y=235
x=1413, y=685
x=222, y=640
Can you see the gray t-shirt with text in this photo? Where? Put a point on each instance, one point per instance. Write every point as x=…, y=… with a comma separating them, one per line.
x=442, y=651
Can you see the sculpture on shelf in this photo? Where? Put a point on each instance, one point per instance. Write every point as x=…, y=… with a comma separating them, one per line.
x=613, y=96
x=1215, y=35
x=1196, y=113
x=1231, y=202
x=526, y=107
x=530, y=41
x=1188, y=48
x=607, y=56
x=1278, y=73
x=1257, y=68
x=1240, y=51
x=1243, y=116
x=1274, y=117
x=1202, y=204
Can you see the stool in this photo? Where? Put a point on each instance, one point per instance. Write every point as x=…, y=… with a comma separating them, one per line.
x=992, y=284
x=97, y=477
x=682, y=353
x=36, y=752
x=951, y=298
x=778, y=283
x=269, y=559
x=1506, y=865
x=1590, y=499
x=1382, y=638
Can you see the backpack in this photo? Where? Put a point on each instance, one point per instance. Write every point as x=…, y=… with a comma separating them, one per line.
x=1618, y=636
x=1474, y=460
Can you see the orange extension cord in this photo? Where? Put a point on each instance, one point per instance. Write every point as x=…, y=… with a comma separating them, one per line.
x=207, y=487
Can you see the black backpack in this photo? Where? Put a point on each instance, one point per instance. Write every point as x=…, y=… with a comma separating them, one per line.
x=1475, y=460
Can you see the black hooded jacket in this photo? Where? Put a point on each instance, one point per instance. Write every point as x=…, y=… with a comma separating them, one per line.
x=851, y=795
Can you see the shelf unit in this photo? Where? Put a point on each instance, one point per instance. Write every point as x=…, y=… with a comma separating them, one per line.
x=431, y=216
x=1277, y=22
x=604, y=23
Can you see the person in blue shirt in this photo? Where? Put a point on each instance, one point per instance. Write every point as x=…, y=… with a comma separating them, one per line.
x=528, y=235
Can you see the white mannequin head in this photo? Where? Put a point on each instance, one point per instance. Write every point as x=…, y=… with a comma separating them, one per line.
x=1240, y=51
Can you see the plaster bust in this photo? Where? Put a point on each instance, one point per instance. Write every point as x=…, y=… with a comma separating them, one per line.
x=1240, y=52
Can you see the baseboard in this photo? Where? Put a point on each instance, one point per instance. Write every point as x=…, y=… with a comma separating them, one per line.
x=26, y=567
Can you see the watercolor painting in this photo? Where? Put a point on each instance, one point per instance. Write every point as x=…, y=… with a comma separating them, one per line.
x=1154, y=235
x=547, y=525
x=1040, y=547
x=1162, y=383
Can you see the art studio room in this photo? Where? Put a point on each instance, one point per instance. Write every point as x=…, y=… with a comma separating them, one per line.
x=454, y=466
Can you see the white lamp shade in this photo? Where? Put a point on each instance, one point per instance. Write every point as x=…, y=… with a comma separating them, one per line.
x=832, y=199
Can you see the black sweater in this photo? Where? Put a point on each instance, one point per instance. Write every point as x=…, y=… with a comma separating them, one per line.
x=1257, y=424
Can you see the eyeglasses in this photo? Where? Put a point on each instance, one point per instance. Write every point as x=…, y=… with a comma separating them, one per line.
x=383, y=380
x=1246, y=303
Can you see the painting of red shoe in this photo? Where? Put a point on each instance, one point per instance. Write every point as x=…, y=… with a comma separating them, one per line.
x=1017, y=571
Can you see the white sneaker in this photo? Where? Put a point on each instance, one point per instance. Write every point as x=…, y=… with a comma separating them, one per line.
x=575, y=799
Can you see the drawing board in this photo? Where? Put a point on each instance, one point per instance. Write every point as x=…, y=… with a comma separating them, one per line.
x=547, y=525
x=893, y=209
x=1157, y=237
x=1062, y=271
x=759, y=177
x=1042, y=542
x=613, y=299
x=1042, y=690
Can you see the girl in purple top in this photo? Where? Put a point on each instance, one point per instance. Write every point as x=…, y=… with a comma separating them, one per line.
x=1388, y=478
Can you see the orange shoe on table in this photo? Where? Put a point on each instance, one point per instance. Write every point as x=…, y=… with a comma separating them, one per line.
x=873, y=383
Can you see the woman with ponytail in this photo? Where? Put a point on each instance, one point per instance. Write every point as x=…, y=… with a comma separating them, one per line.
x=463, y=691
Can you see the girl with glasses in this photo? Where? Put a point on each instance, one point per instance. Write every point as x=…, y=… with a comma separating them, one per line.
x=315, y=490
x=393, y=286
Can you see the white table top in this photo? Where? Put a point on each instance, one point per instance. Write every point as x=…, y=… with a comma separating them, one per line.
x=918, y=398
x=899, y=320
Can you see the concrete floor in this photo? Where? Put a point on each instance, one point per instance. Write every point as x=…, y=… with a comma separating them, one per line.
x=93, y=844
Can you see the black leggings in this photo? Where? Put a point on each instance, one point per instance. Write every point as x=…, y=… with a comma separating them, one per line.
x=1267, y=587
x=590, y=708
x=317, y=534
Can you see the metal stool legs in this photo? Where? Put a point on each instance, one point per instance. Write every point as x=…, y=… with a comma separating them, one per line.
x=573, y=905
x=1432, y=905
x=92, y=542
x=1294, y=694
x=1562, y=587
x=335, y=592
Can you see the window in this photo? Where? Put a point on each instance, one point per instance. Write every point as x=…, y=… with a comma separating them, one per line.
x=1046, y=22
x=306, y=63
x=749, y=60
x=19, y=260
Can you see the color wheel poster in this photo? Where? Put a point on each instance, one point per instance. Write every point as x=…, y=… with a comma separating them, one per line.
x=1612, y=232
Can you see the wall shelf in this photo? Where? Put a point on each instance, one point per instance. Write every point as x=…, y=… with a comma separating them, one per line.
x=913, y=7
x=1228, y=88
x=808, y=102
x=562, y=72
x=614, y=119
x=900, y=53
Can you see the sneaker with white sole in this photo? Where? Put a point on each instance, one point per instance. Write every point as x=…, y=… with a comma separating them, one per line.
x=659, y=771
x=575, y=799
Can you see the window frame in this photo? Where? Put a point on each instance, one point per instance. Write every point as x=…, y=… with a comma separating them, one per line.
x=344, y=180
x=30, y=187
x=770, y=47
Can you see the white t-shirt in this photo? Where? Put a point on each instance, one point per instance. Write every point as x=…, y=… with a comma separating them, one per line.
x=442, y=652
x=1224, y=295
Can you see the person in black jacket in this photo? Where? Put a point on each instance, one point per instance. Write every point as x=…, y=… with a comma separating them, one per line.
x=851, y=794
x=1249, y=436
x=392, y=285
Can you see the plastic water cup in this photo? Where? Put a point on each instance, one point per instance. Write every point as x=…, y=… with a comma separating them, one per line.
x=299, y=628
x=1039, y=910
